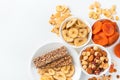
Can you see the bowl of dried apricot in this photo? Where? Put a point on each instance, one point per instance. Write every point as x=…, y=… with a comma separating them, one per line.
x=105, y=32
x=75, y=32
x=95, y=60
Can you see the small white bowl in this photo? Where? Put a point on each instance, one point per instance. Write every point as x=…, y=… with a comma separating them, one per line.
x=89, y=36
x=108, y=55
x=49, y=47
x=118, y=32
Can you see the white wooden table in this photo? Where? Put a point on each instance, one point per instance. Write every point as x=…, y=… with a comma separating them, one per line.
x=24, y=28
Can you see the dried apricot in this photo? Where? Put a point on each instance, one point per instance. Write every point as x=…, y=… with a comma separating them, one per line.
x=97, y=27
x=108, y=21
x=113, y=38
x=108, y=29
x=100, y=38
x=117, y=50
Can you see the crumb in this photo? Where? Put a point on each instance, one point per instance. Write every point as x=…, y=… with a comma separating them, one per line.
x=118, y=76
x=112, y=68
x=109, y=76
x=117, y=18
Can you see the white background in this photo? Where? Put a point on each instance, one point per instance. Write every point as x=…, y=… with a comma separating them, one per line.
x=24, y=28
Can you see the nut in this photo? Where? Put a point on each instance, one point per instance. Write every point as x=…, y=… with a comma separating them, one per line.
x=84, y=62
x=81, y=57
x=96, y=53
x=89, y=70
x=90, y=65
x=102, y=58
x=88, y=49
x=92, y=51
x=84, y=66
x=93, y=66
x=97, y=61
x=83, y=53
x=95, y=48
x=104, y=53
x=97, y=71
x=91, y=58
x=85, y=57
x=87, y=53
x=105, y=66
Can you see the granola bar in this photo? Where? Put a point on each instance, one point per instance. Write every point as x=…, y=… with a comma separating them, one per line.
x=50, y=57
x=67, y=60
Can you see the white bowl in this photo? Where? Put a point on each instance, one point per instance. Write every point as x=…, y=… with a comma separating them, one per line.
x=108, y=55
x=49, y=47
x=89, y=36
x=118, y=32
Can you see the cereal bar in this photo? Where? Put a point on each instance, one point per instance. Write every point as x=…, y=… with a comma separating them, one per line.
x=50, y=56
x=67, y=60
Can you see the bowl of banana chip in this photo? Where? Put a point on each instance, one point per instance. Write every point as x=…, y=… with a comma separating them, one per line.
x=75, y=32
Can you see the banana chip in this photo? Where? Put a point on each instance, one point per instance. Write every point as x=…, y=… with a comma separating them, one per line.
x=62, y=12
x=59, y=73
x=51, y=71
x=60, y=76
x=96, y=11
x=57, y=69
x=83, y=32
x=73, y=32
x=80, y=41
x=71, y=22
x=46, y=77
x=60, y=8
x=71, y=71
x=68, y=78
x=42, y=71
x=66, y=37
x=65, y=69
